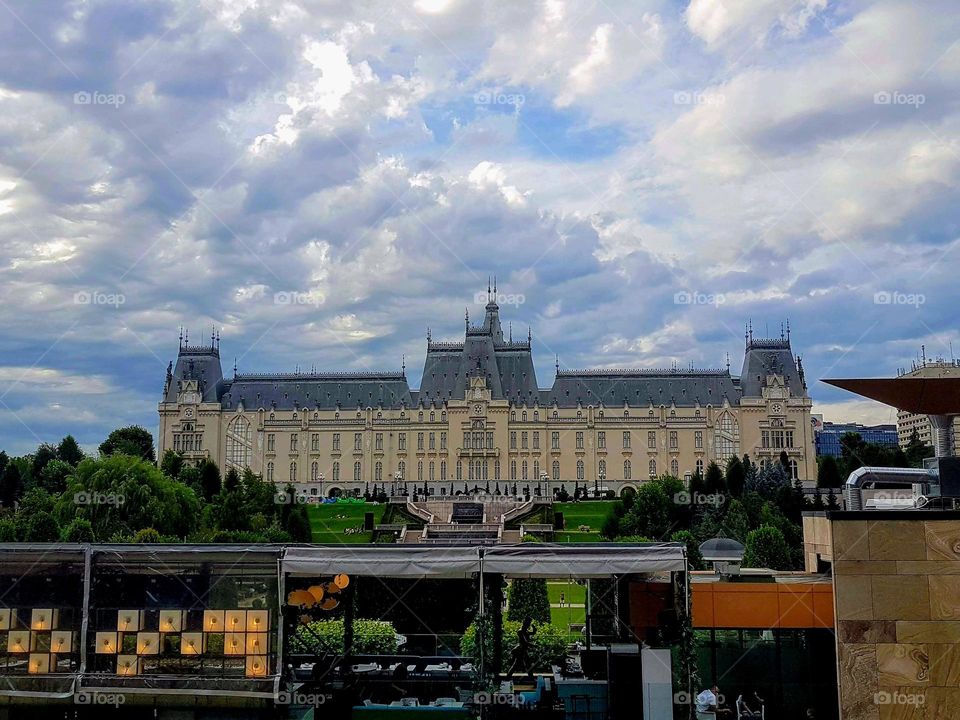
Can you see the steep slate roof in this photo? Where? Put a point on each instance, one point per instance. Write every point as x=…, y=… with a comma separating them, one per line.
x=200, y=363
x=318, y=391
x=768, y=357
x=616, y=388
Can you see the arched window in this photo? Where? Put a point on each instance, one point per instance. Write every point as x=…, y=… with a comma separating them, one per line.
x=674, y=467
x=432, y=469
x=357, y=470
x=699, y=466
x=523, y=468
x=443, y=469
x=239, y=446
x=653, y=468
x=270, y=472
x=486, y=467
x=536, y=469
x=420, y=471
x=523, y=416
x=496, y=469
x=314, y=471
x=726, y=437
x=402, y=469
x=459, y=470
x=536, y=415
x=602, y=468
x=556, y=469
x=293, y=471
x=470, y=470
x=626, y=470
x=513, y=469
x=579, y=469
x=336, y=472
x=378, y=472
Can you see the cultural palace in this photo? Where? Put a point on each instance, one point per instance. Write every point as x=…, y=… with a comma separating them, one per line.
x=480, y=420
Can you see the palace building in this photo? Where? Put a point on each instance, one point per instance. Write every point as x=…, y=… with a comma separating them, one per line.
x=480, y=420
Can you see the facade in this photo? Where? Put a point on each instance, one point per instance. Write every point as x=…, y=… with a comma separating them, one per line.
x=827, y=436
x=480, y=420
x=908, y=422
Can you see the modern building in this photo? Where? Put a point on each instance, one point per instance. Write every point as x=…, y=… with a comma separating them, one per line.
x=827, y=436
x=908, y=422
x=481, y=420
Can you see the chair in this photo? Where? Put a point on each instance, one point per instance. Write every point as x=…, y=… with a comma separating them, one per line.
x=740, y=715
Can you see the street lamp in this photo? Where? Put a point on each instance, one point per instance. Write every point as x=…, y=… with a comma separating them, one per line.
x=596, y=483
x=397, y=478
x=543, y=478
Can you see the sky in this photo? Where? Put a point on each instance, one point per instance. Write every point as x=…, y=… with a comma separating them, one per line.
x=321, y=181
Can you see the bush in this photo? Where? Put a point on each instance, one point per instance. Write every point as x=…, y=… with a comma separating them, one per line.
x=370, y=637
x=527, y=597
x=549, y=643
x=767, y=548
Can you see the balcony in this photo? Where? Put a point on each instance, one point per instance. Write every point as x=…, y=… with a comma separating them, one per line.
x=478, y=452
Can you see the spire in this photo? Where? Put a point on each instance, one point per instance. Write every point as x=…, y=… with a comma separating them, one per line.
x=529, y=335
x=728, y=362
x=494, y=285
x=556, y=363
x=488, y=288
x=788, y=330
x=782, y=337
x=428, y=336
x=466, y=318
x=403, y=364
x=234, y=368
x=186, y=337
x=511, y=331
x=181, y=337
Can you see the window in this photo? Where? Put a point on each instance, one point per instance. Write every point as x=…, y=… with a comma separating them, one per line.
x=626, y=470
x=469, y=469
x=467, y=441
x=602, y=468
x=443, y=469
x=652, y=439
x=626, y=440
x=536, y=441
x=293, y=471
x=513, y=440
x=674, y=467
x=443, y=441
x=433, y=416
x=700, y=466
x=315, y=471
x=432, y=471
x=489, y=441
x=674, y=442
x=358, y=441
x=293, y=442
x=554, y=441
x=432, y=441
x=579, y=441
x=698, y=439
x=523, y=441
x=239, y=446
x=420, y=471
x=378, y=441
x=459, y=470
x=357, y=470
x=523, y=467
x=336, y=472
x=420, y=441
x=315, y=442
x=401, y=441
x=579, y=469
x=402, y=470
x=378, y=472
x=653, y=468
x=269, y=472
x=789, y=439
x=513, y=469
x=496, y=469
x=336, y=442
x=793, y=469
x=556, y=469
x=602, y=440
x=536, y=469
x=271, y=442
x=523, y=416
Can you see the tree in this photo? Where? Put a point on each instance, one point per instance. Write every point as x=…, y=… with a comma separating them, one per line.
x=69, y=451
x=694, y=558
x=41, y=527
x=650, y=514
x=78, y=531
x=231, y=480
x=131, y=440
x=768, y=481
x=209, y=480
x=916, y=451
x=298, y=524
x=767, y=548
x=828, y=473
x=44, y=454
x=147, y=535
x=171, y=463
x=53, y=477
x=713, y=480
x=736, y=476
x=11, y=485
x=527, y=597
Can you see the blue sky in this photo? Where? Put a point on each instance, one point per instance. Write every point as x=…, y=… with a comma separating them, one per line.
x=200, y=163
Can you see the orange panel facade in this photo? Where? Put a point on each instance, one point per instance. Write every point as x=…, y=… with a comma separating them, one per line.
x=762, y=605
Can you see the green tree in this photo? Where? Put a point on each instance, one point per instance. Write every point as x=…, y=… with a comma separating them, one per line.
x=231, y=481
x=8, y=530
x=78, y=531
x=53, y=477
x=69, y=451
x=713, y=480
x=694, y=558
x=171, y=464
x=916, y=451
x=41, y=527
x=650, y=514
x=189, y=475
x=11, y=485
x=131, y=440
x=828, y=473
x=298, y=524
x=209, y=480
x=736, y=522
x=147, y=535
x=736, y=476
x=527, y=597
x=44, y=454
x=767, y=548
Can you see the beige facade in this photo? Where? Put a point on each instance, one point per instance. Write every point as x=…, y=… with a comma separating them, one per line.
x=474, y=438
x=908, y=422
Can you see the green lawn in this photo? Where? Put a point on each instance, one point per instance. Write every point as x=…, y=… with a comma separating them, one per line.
x=329, y=522
x=572, y=592
x=562, y=617
x=591, y=513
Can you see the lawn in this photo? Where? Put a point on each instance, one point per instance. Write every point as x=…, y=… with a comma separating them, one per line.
x=562, y=617
x=591, y=513
x=329, y=523
x=572, y=592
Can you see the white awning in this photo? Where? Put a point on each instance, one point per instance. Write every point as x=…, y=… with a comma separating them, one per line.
x=428, y=561
x=583, y=561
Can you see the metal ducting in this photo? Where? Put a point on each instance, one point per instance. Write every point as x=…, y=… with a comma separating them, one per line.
x=852, y=489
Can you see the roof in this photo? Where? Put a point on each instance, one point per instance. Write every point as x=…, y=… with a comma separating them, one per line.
x=769, y=357
x=616, y=388
x=925, y=395
x=722, y=549
x=320, y=391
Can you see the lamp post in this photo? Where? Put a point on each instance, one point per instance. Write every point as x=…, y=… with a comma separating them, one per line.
x=397, y=477
x=543, y=478
x=601, y=475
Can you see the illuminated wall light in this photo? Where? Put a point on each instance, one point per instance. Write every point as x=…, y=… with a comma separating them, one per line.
x=43, y=619
x=191, y=644
x=171, y=620
x=256, y=643
x=39, y=664
x=106, y=643
x=128, y=665
x=256, y=665
x=213, y=621
x=148, y=643
x=234, y=644
x=18, y=641
x=8, y=618
x=61, y=641
x=236, y=620
x=128, y=620
x=257, y=620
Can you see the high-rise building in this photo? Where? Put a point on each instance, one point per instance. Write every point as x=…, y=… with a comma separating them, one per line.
x=908, y=422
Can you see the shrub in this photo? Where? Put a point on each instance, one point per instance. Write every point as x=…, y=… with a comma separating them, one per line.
x=370, y=637
x=549, y=643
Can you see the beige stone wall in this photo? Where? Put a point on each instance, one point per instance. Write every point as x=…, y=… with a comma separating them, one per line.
x=897, y=594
